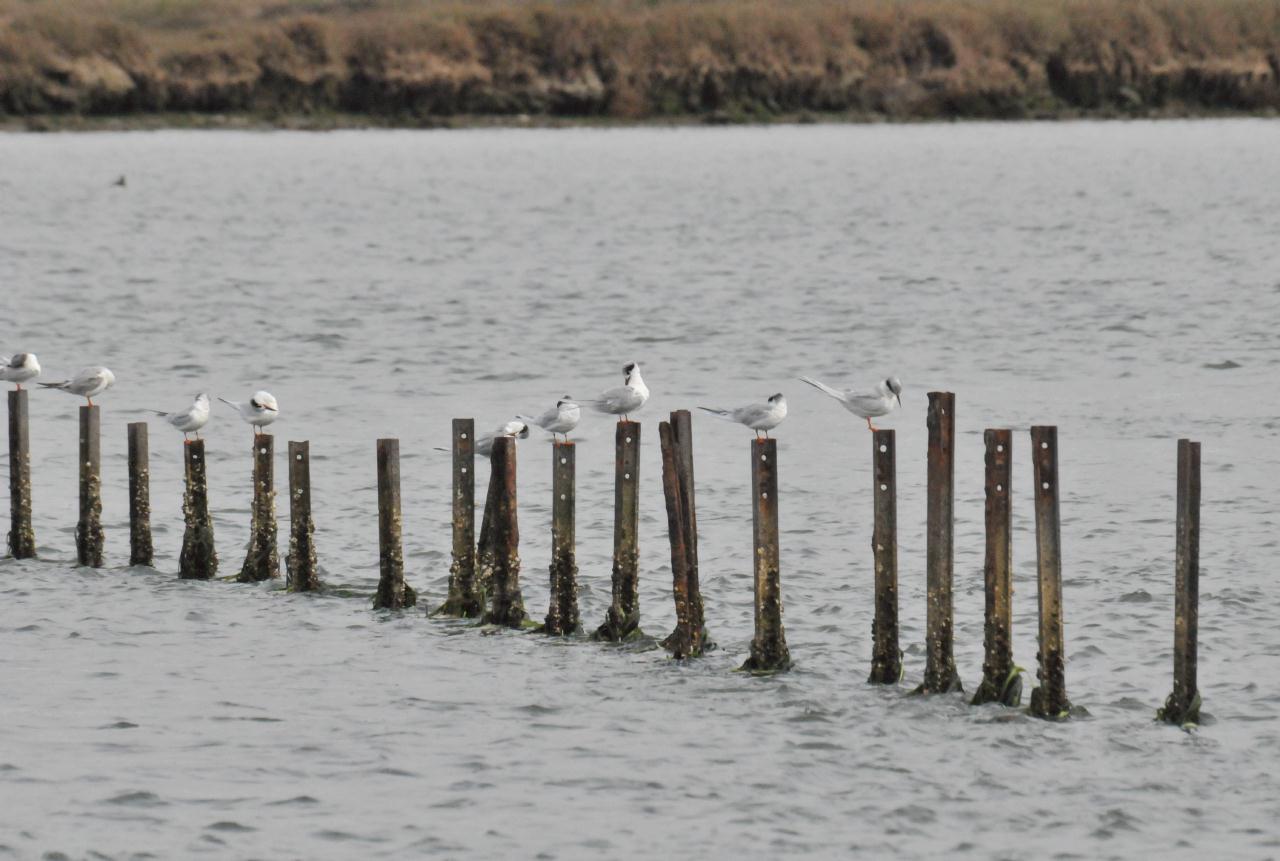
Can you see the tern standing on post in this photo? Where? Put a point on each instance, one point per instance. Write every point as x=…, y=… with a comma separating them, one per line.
x=759, y=417
x=259, y=411
x=625, y=399
x=192, y=418
x=19, y=368
x=865, y=405
x=87, y=383
x=560, y=419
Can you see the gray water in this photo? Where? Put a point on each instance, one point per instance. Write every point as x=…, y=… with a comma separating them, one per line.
x=1093, y=276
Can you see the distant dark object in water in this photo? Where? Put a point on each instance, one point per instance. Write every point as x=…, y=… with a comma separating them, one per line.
x=120, y=182
x=1228, y=365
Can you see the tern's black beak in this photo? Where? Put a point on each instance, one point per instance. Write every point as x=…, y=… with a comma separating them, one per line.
x=899, y=397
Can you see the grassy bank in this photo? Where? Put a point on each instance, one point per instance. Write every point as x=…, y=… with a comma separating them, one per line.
x=410, y=62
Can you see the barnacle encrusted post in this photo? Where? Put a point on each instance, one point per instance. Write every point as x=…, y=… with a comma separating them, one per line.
x=466, y=598
x=1049, y=700
x=89, y=537
x=22, y=538
x=393, y=592
x=562, y=614
x=300, y=564
x=886, y=656
x=141, y=549
x=262, y=560
x=940, y=674
x=769, y=651
x=1001, y=682
x=622, y=622
x=198, y=559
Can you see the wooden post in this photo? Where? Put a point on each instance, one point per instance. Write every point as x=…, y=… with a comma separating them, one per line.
x=484, y=544
x=466, y=599
x=698, y=641
x=886, y=656
x=300, y=564
x=623, y=618
x=1001, y=682
x=89, y=537
x=22, y=538
x=393, y=592
x=940, y=674
x=199, y=558
x=141, y=549
x=680, y=641
x=1183, y=705
x=507, y=608
x=1049, y=700
x=562, y=615
x=262, y=561
x=769, y=651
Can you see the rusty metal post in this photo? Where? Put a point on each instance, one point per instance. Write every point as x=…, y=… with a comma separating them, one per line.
x=623, y=618
x=141, y=549
x=562, y=615
x=22, y=538
x=300, y=564
x=940, y=674
x=465, y=599
x=199, y=558
x=886, y=656
x=1001, y=682
x=507, y=608
x=393, y=592
x=1183, y=705
x=698, y=641
x=89, y=537
x=769, y=651
x=262, y=561
x=1049, y=700
x=681, y=641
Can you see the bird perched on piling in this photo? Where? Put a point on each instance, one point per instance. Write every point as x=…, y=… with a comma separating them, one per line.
x=560, y=419
x=625, y=399
x=191, y=419
x=484, y=442
x=759, y=417
x=866, y=405
x=19, y=368
x=259, y=411
x=87, y=383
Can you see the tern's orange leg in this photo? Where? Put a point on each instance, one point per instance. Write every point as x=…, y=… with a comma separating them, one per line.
x=870, y=426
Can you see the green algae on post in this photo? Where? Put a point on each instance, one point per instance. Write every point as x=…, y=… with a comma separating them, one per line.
x=141, y=548
x=507, y=606
x=622, y=622
x=300, y=564
x=1049, y=700
x=465, y=599
x=769, y=651
x=199, y=558
x=1183, y=705
x=562, y=614
x=89, y=537
x=886, y=656
x=262, y=560
x=22, y=538
x=1001, y=681
x=393, y=592
x=940, y=674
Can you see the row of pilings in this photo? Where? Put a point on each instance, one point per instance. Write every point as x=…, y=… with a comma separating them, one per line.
x=484, y=577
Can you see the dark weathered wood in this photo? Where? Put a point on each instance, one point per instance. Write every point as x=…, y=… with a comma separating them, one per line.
x=940, y=674
x=22, y=538
x=562, y=615
x=1001, y=682
x=89, y=537
x=1183, y=704
x=262, y=560
x=886, y=656
x=393, y=592
x=304, y=574
x=199, y=558
x=682, y=438
x=141, y=549
x=623, y=618
x=507, y=607
x=1049, y=700
x=484, y=543
x=769, y=651
x=680, y=641
x=466, y=598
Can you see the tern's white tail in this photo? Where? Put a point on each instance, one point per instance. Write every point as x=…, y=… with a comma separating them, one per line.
x=723, y=414
x=530, y=420
x=838, y=395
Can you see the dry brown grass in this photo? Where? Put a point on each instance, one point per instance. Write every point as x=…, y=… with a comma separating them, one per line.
x=632, y=58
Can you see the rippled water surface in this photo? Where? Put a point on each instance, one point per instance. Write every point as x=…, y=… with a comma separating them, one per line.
x=1119, y=280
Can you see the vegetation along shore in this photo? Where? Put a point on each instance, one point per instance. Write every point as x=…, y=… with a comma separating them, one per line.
x=401, y=62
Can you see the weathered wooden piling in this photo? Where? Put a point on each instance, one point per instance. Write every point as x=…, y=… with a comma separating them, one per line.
x=886, y=656
x=769, y=651
x=940, y=674
x=300, y=564
x=262, y=560
x=393, y=592
x=562, y=615
x=1049, y=700
x=623, y=619
x=141, y=549
x=22, y=538
x=199, y=558
x=1001, y=682
x=507, y=605
x=484, y=543
x=691, y=640
x=89, y=537
x=1183, y=705
x=465, y=599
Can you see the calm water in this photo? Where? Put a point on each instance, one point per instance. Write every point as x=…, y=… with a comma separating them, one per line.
x=380, y=283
